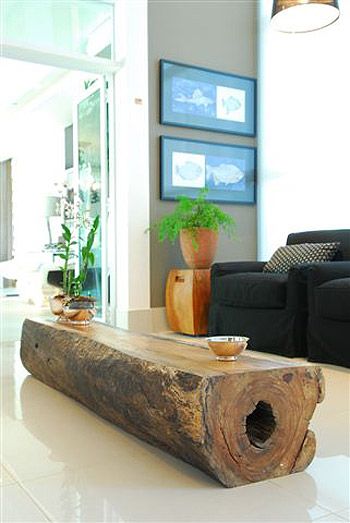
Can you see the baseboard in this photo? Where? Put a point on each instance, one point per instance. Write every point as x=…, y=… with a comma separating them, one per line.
x=143, y=320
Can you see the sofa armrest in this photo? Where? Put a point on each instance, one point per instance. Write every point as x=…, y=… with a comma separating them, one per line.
x=297, y=286
x=220, y=269
x=321, y=272
x=304, y=277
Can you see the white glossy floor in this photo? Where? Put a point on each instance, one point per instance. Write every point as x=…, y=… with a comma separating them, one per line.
x=60, y=462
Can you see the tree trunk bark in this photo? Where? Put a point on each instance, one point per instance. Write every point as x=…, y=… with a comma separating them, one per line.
x=239, y=422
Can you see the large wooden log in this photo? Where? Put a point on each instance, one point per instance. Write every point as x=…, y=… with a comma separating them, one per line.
x=240, y=422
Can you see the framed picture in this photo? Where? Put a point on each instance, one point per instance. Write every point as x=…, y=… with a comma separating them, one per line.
x=205, y=99
x=227, y=171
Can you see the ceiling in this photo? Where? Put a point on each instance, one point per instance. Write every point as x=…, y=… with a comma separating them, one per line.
x=24, y=81
x=60, y=26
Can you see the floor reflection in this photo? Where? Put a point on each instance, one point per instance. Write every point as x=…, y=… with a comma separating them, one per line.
x=129, y=476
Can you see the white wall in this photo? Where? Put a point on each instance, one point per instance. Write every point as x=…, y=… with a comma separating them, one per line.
x=37, y=152
x=304, y=115
x=33, y=137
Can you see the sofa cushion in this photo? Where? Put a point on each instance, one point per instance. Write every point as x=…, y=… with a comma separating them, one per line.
x=332, y=299
x=255, y=290
x=290, y=255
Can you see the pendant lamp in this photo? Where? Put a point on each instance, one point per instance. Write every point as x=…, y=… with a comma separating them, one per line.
x=301, y=16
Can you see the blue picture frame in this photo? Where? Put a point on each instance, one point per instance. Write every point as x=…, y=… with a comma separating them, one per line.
x=192, y=96
x=227, y=171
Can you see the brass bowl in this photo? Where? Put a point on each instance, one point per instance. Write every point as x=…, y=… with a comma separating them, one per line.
x=75, y=311
x=227, y=348
x=78, y=312
x=56, y=304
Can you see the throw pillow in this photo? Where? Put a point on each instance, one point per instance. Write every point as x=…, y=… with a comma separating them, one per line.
x=288, y=256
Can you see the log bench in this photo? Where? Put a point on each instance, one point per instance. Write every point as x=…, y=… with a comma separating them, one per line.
x=240, y=422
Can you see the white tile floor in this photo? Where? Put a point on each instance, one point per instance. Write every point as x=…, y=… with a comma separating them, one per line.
x=60, y=462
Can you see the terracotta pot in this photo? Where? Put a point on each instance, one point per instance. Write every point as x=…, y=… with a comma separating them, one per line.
x=207, y=241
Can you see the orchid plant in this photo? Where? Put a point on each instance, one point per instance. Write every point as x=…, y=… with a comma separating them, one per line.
x=73, y=284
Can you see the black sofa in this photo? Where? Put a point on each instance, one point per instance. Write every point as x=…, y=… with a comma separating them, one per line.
x=271, y=309
x=328, y=331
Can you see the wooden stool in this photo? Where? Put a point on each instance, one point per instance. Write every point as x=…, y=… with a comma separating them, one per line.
x=187, y=300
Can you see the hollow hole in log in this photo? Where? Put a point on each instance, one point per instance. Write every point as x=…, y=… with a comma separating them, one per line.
x=36, y=345
x=260, y=424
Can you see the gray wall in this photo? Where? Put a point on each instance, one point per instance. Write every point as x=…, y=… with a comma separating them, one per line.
x=216, y=34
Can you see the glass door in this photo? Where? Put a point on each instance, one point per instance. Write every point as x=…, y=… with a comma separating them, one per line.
x=91, y=152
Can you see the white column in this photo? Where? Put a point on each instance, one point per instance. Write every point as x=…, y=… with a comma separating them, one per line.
x=132, y=166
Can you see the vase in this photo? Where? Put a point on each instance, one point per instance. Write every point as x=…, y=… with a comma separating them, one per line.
x=198, y=247
x=80, y=310
x=56, y=304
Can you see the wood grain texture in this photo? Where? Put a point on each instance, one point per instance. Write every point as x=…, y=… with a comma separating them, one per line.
x=239, y=422
x=187, y=298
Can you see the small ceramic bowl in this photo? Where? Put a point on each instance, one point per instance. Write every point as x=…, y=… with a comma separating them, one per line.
x=227, y=348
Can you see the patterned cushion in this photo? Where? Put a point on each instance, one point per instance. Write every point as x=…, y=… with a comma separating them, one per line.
x=286, y=257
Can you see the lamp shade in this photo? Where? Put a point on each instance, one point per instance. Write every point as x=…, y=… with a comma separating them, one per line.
x=301, y=16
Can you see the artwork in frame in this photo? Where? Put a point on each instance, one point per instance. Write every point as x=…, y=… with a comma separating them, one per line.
x=191, y=96
x=227, y=171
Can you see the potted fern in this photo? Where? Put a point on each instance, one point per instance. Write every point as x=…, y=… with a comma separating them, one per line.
x=197, y=223
x=71, y=305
